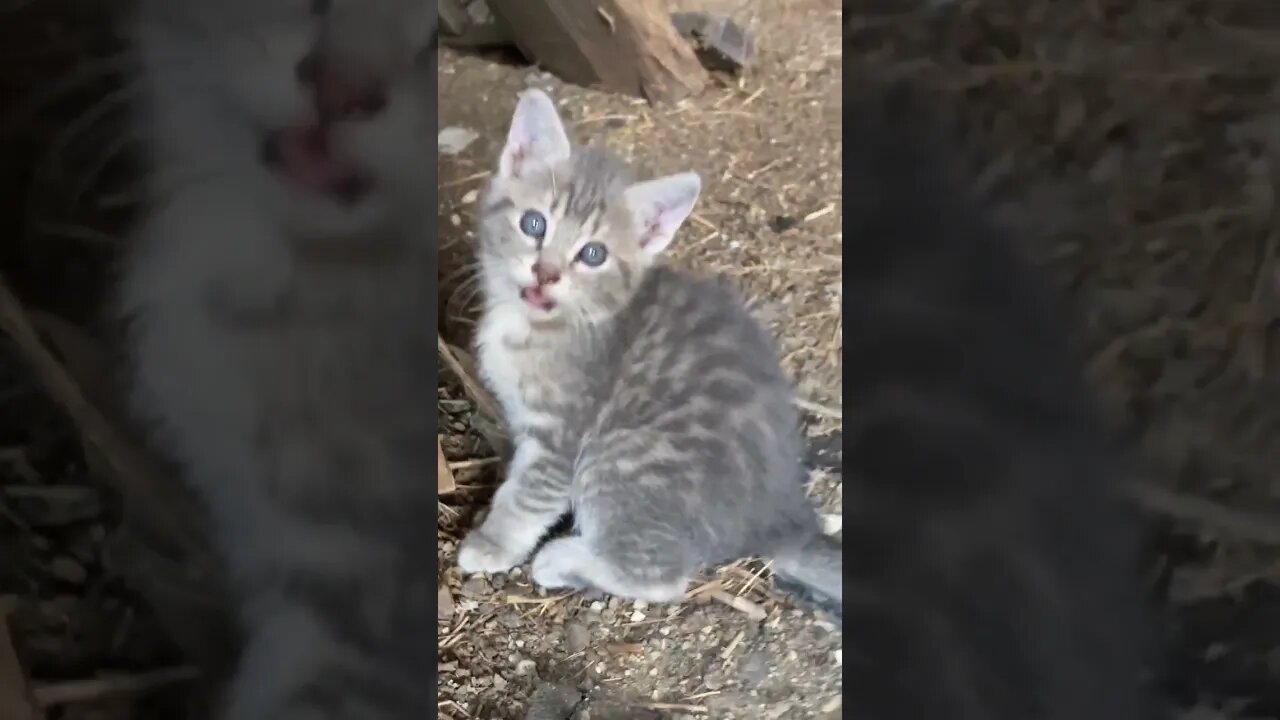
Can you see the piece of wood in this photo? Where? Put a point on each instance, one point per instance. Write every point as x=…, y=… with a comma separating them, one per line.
x=445, y=483
x=100, y=688
x=625, y=46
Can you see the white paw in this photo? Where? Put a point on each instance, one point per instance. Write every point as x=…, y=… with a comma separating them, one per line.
x=548, y=575
x=553, y=568
x=479, y=554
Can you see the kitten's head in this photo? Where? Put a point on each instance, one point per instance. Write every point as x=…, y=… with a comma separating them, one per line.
x=327, y=105
x=564, y=231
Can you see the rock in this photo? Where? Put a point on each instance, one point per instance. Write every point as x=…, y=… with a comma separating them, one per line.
x=476, y=586
x=782, y=223
x=68, y=569
x=754, y=668
x=552, y=702
x=713, y=680
x=444, y=603
x=453, y=140
x=576, y=638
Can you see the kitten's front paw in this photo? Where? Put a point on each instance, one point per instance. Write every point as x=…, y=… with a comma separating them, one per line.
x=479, y=554
x=554, y=566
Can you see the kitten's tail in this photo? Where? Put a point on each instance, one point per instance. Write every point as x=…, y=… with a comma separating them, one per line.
x=814, y=572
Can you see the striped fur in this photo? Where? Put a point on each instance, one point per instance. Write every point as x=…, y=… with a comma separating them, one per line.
x=648, y=402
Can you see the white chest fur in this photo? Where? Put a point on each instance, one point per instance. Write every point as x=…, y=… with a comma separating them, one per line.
x=502, y=330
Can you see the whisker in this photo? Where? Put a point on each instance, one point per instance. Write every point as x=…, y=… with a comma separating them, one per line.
x=80, y=125
x=91, y=176
x=471, y=288
x=471, y=267
x=97, y=69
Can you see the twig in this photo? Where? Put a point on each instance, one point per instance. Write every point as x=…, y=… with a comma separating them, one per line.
x=78, y=691
x=1248, y=526
x=136, y=478
x=678, y=707
x=473, y=463
x=819, y=409
x=741, y=604
x=477, y=392
x=445, y=483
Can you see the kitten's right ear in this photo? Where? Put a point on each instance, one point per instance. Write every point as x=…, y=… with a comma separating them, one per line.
x=536, y=139
x=659, y=207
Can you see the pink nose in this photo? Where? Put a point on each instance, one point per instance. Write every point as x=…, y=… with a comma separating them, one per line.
x=545, y=274
x=340, y=94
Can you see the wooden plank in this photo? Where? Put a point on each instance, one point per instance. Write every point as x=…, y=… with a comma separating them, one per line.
x=625, y=46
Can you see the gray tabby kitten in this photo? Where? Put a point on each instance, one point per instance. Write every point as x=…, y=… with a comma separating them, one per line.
x=280, y=296
x=646, y=400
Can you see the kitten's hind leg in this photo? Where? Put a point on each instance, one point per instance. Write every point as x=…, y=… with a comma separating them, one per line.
x=534, y=496
x=570, y=562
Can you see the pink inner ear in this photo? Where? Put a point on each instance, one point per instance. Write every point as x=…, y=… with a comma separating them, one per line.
x=655, y=225
x=518, y=155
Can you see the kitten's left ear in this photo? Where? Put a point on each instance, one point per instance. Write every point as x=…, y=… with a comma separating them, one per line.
x=536, y=139
x=659, y=207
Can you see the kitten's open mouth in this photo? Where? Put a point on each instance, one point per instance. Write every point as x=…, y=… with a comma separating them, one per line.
x=302, y=155
x=537, y=298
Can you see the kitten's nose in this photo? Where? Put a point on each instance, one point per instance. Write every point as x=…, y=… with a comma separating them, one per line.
x=545, y=274
x=341, y=94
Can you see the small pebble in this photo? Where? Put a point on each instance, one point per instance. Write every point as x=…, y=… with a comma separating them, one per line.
x=444, y=603
x=67, y=569
x=576, y=638
x=476, y=586
x=782, y=223
x=754, y=668
x=713, y=680
x=453, y=140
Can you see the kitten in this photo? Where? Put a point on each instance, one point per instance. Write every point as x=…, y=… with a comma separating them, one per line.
x=996, y=574
x=279, y=297
x=644, y=399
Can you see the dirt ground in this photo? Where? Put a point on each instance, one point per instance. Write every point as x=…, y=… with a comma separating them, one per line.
x=767, y=146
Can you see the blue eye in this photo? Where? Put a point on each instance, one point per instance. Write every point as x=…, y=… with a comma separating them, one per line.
x=533, y=224
x=593, y=254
